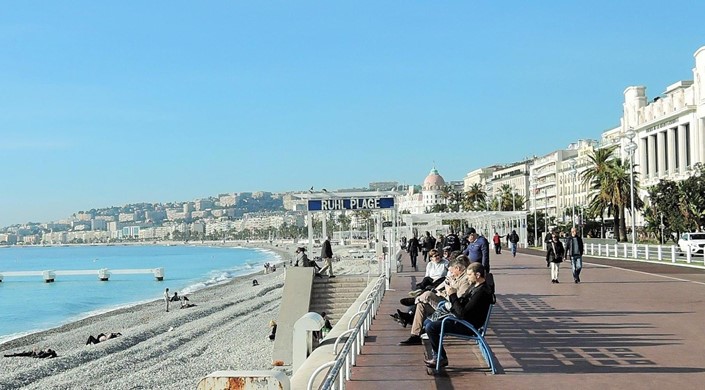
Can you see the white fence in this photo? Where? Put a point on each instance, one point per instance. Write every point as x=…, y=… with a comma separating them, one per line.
x=661, y=253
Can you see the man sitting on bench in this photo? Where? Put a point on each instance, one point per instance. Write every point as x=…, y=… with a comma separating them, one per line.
x=426, y=303
x=471, y=307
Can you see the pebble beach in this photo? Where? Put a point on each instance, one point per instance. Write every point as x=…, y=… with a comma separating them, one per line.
x=226, y=330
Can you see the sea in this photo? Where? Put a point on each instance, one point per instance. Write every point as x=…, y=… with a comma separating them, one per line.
x=28, y=305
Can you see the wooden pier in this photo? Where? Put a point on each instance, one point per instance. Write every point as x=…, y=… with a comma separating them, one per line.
x=103, y=274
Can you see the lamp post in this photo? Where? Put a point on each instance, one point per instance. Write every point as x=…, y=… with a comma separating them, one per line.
x=573, y=171
x=536, y=225
x=545, y=215
x=630, y=148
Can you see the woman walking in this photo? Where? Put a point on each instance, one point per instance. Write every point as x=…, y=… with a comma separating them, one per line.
x=554, y=256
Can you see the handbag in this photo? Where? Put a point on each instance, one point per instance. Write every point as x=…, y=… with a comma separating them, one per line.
x=441, y=312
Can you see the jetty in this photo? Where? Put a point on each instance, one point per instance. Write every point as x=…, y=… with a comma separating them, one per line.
x=103, y=274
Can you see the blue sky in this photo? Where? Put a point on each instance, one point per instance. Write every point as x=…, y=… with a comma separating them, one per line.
x=108, y=104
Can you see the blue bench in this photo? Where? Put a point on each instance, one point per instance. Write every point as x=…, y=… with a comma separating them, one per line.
x=477, y=335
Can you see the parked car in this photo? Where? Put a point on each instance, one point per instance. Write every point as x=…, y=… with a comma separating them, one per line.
x=693, y=242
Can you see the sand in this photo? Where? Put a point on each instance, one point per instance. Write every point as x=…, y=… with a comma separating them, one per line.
x=226, y=330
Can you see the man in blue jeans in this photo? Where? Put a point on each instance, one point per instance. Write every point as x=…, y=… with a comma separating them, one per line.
x=471, y=307
x=574, y=251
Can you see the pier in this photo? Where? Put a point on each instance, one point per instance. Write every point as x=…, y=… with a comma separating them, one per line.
x=103, y=274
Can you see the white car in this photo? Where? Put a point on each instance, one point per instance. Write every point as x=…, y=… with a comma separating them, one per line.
x=693, y=242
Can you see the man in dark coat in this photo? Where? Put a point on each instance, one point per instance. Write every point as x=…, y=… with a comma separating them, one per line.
x=574, y=251
x=327, y=256
x=412, y=247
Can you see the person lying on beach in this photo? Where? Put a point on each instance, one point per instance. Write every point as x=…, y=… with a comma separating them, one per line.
x=102, y=337
x=255, y=282
x=273, y=325
x=41, y=354
x=185, y=303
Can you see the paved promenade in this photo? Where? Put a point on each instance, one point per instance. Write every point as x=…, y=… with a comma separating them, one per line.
x=628, y=325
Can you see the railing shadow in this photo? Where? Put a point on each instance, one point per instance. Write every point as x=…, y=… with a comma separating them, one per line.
x=541, y=339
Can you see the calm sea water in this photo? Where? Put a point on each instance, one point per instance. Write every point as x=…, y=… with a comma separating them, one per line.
x=27, y=304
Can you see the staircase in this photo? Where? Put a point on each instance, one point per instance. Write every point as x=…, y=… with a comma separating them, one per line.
x=335, y=296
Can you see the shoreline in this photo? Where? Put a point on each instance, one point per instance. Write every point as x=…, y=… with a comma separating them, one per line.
x=276, y=253
x=226, y=330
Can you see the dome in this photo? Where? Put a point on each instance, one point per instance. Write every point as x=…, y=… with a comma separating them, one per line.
x=433, y=181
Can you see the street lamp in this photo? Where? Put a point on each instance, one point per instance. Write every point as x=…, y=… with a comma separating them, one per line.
x=630, y=148
x=573, y=171
x=534, y=186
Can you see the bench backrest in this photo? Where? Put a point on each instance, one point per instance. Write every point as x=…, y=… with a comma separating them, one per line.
x=487, y=322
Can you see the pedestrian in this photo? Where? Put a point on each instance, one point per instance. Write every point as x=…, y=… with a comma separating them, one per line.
x=452, y=240
x=327, y=256
x=429, y=242
x=513, y=242
x=554, y=256
x=478, y=249
x=167, y=298
x=497, y=241
x=412, y=247
x=574, y=251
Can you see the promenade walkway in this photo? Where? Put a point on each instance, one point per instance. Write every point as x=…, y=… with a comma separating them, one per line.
x=628, y=325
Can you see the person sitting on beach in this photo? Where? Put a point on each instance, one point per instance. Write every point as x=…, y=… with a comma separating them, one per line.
x=255, y=282
x=41, y=354
x=175, y=297
x=301, y=257
x=102, y=337
x=273, y=325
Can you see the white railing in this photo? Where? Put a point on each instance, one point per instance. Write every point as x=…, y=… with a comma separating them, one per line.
x=661, y=253
x=340, y=368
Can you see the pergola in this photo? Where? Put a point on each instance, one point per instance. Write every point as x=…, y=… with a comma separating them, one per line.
x=485, y=222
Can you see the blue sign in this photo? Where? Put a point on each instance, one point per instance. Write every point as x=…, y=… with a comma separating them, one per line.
x=350, y=204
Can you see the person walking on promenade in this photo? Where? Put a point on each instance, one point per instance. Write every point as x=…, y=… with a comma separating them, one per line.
x=428, y=243
x=452, y=241
x=513, y=242
x=478, y=249
x=439, y=243
x=412, y=247
x=327, y=256
x=167, y=298
x=554, y=256
x=574, y=251
x=497, y=241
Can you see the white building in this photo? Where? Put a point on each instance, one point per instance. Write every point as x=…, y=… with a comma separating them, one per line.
x=516, y=176
x=670, y=129
x=545, y=173
x=432, y=190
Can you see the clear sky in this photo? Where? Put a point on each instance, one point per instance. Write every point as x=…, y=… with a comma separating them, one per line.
x=157, y=101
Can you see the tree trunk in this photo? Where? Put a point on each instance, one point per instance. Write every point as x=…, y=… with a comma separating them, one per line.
x=623, y=225
x=617, y=225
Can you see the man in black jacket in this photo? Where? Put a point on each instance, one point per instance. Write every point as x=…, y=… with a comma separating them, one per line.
x=472, y=307
x=574, y=251
x=327, y=256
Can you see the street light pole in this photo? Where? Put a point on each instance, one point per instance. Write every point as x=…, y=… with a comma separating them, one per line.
x=536, y=226
x=630, y=148
x=573, y=171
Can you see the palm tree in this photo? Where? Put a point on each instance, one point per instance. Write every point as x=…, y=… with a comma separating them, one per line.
x=609, y=181
x=475, y=198
x=506, y=194
x=598, y=177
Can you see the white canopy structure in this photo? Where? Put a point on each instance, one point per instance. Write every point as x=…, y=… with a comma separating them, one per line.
x=485, y=222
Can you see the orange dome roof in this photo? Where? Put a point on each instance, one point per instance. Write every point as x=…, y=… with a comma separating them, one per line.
x=433, y=181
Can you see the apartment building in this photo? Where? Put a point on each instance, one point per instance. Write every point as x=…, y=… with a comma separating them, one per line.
x=516, y=176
